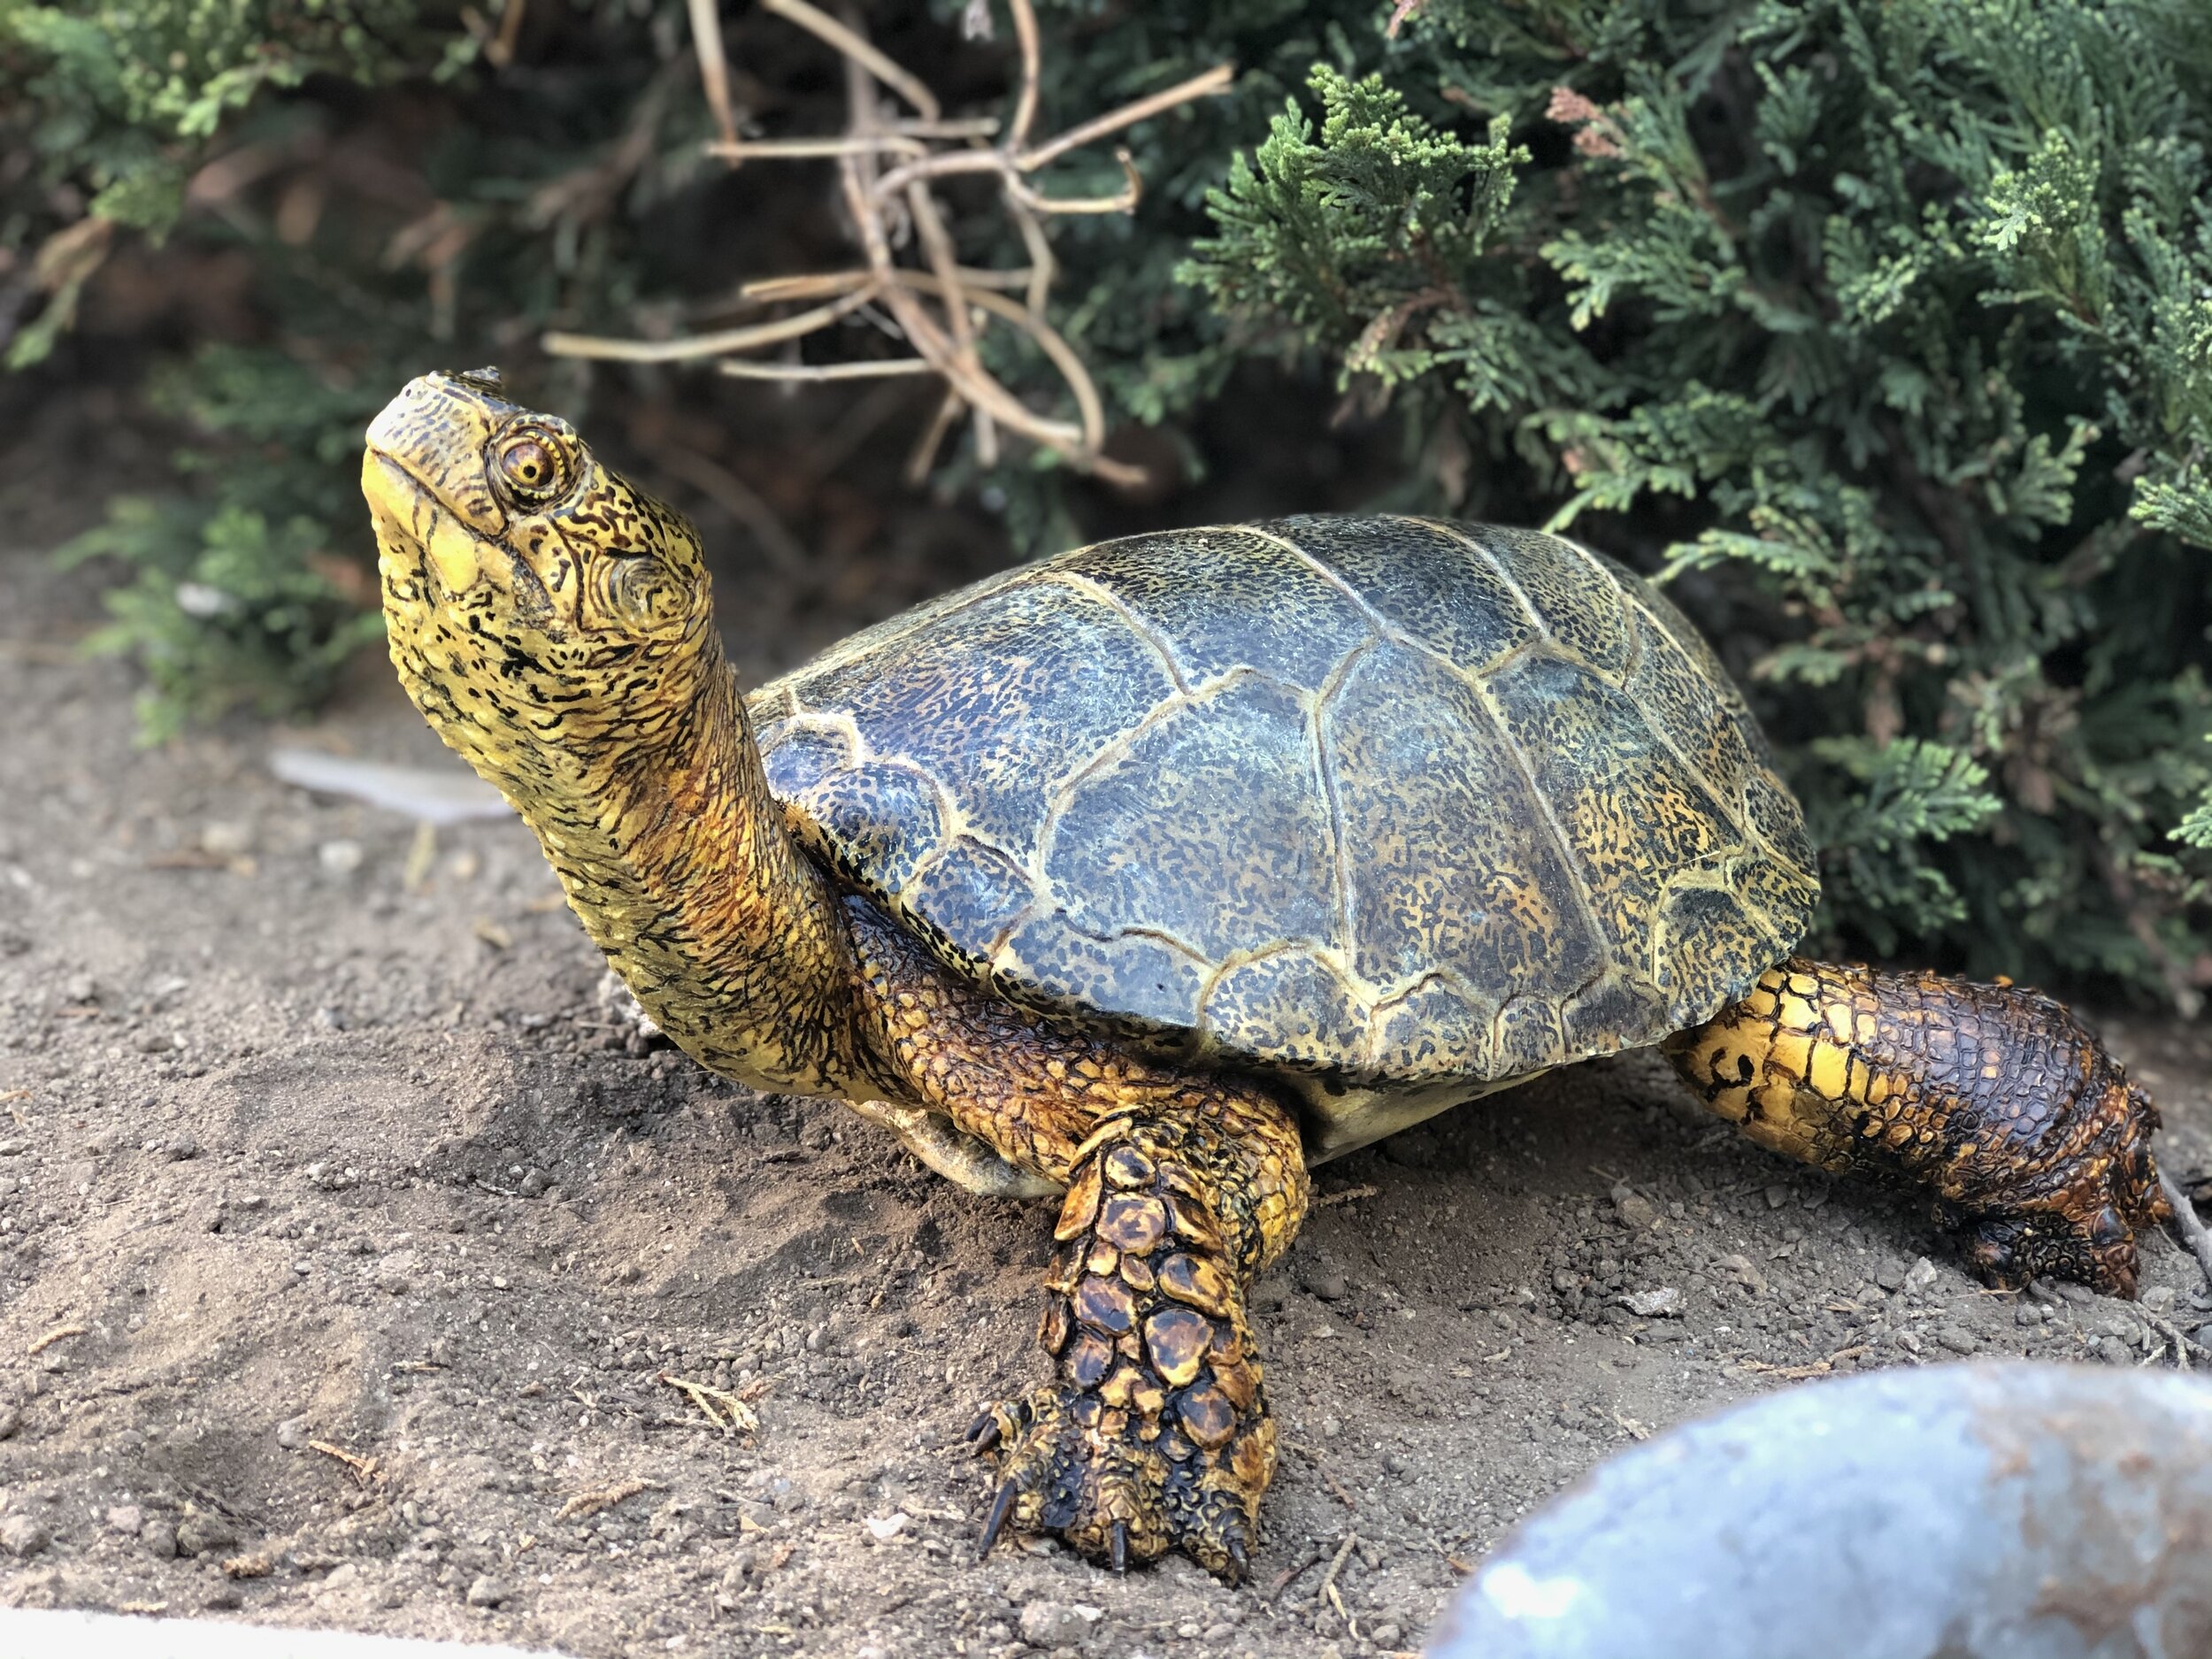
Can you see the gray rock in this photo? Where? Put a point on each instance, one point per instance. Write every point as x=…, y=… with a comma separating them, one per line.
x=294, y=1434
x=1665, y=1302
x=1319, y=1278
x=21, y=1536
x=1957, y=1339
x=1634, y=1208
x=10, y=1422
x=487, y=1592
x=125, y=1519
x=204, y=1534
x=1919, y=1276
x=160, y=1539
x=1058, y=1624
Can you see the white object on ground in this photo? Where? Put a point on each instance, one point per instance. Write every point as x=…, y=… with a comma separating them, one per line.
x=26, y=1634
x=439, y=794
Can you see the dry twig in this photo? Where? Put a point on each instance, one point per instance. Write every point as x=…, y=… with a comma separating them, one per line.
x=887, y=169
x=722, y=1408
x=363, y=1469
x=58, y=1333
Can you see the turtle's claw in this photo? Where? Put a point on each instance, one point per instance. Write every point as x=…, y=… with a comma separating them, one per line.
x=1001, y=1507
x=1240, y=1562
x=1123, y=1490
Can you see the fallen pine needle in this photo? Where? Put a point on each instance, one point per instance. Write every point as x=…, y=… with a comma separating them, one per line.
x=55, y=1335
x=723, y=1409
x=362, y=1468
x=587, y=1504
x=1328, y=1582
x=1348, y=1195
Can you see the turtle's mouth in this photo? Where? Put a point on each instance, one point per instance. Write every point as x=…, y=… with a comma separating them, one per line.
x=410, y=516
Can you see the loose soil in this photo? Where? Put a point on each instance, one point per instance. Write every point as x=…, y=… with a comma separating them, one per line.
x=352, y=1248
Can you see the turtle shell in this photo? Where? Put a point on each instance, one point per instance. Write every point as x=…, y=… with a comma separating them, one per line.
x=1396, y=809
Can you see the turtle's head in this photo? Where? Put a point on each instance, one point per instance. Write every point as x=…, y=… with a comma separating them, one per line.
x=537, y=601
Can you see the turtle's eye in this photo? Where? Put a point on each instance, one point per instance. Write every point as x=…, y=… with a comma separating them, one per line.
x=533, y=465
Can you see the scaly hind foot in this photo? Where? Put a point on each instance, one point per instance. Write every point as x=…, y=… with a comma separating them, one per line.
x=1128, y=1484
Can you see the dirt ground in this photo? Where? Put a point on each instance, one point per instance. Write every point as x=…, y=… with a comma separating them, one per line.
x=349, y=1250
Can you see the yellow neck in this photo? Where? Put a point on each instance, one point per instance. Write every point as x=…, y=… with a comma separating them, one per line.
x=653, y=810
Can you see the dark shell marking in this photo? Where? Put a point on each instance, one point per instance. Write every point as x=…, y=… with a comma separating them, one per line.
x=1383, y=801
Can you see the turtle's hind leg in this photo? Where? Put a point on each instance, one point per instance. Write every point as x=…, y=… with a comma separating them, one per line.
x=1992, y=1098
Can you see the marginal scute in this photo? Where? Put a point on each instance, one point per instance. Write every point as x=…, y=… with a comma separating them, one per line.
x=1395, y=810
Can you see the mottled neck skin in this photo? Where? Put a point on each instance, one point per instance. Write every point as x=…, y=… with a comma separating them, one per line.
x=566, y=647
x=675, y=856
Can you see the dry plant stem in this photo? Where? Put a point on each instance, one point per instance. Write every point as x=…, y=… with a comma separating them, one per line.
x=769, y=290
x=884, y=200
x=714, y=63
x=708, y=345
x=807, y=149
x=937, y=244
x=873, y=369
x=924, y=453
x=501, y=50
x=1025, y=100
x=2185, y=1218
x=855, y=48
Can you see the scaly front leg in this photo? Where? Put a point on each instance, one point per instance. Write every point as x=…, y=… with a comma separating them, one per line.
x=1992, y=1098
x=1154, y=1434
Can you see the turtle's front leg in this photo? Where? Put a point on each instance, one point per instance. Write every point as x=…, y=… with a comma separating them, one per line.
x=1182, y=1184
x=1992, y=1097
x=1155, y=1435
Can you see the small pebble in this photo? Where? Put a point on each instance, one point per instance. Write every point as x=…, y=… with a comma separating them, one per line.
x=125, y=1519
x=340, y=857
x=204, y=1534
x=21, y=1536
x=1634, y=1208
x=294, y=1434
x=1665, y=1302
x=1957, y=1339
x=160, y=1539
x=1321, y=1280
x=487, y=1592
x=10, y=1422
x=1919, y=1276
x=181, y=1148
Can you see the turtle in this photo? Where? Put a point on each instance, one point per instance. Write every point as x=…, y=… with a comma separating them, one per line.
x=1157, y=873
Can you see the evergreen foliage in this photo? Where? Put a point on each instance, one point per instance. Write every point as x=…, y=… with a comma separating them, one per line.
x=1892, y=316
x=1878, y=328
